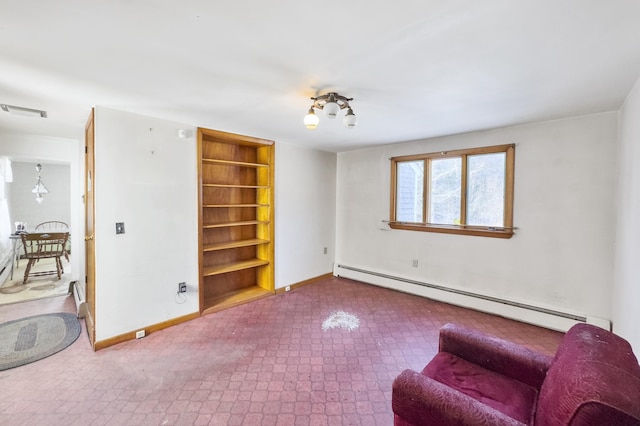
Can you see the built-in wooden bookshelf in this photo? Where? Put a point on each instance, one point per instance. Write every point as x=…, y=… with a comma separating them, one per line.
x=236, y=219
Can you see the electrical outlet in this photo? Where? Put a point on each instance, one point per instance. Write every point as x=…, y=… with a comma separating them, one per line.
x=287, y=288
x=414, y=263
x=182, y=287
x=325, y=250
x=140, y=334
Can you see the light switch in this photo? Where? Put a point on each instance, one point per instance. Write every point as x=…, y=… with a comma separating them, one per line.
x=119, y=227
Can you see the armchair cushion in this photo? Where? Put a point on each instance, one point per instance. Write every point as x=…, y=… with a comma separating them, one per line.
x=511, y=397
x=503, y=357
x=420, y=400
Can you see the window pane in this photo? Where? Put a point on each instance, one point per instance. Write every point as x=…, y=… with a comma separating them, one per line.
x=485, y=189
x=444, y=197
x=409, y=190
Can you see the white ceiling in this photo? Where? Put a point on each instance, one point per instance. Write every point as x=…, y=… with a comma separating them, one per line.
x=415, y=68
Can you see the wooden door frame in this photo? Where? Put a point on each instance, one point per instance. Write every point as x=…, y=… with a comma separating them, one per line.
x=89, y=207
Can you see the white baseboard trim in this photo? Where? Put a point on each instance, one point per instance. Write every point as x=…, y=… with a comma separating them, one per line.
x=547, y=317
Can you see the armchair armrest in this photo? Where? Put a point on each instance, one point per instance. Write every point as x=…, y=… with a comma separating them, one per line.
x=501, y=356
x=420, y=400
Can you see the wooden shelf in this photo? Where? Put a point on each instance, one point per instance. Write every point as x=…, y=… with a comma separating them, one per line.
x=235, y=298
x=232, y=163
x=236, y=227
x=224, y=185
x=227, y=224
x=233, y=205
x=234, y=244
x=232, y=267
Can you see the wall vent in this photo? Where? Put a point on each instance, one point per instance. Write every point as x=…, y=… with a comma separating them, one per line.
x=27, y=112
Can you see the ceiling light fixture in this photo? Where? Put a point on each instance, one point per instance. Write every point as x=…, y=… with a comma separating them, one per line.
x=39, y=189
x=331, y=104
x=27, y=112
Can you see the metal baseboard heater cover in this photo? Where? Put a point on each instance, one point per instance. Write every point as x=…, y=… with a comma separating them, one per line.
x=78, y=297
x=556, y=313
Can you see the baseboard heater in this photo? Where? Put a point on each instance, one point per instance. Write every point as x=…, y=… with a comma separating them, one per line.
x=78, y=297
x=545, y=317
x=5, y=267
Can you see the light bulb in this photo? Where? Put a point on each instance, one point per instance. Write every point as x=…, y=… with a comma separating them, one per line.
x=311, y=120
x=39, y=199
x=350, y=120
x=331, y=109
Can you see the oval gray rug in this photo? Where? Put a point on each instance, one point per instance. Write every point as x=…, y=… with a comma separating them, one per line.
x=33, y=338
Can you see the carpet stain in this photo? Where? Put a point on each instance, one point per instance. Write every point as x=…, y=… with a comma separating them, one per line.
x=13, y=289
x=341, y=319
x=44, y=287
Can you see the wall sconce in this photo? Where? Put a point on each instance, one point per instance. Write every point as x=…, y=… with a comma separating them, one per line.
x=39, y=189
x=331, y=104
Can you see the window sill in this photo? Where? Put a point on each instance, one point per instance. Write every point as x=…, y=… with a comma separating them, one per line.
x=478, y=231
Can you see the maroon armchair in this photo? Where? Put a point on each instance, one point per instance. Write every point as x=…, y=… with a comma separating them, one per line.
x=476, y=379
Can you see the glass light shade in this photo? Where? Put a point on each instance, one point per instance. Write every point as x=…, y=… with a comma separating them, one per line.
x=331, y=109
x=350, y=120
x=40, y=188
x=311, y=120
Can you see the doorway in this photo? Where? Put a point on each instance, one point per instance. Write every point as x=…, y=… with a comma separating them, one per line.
x=33, y=212
x=61, y=167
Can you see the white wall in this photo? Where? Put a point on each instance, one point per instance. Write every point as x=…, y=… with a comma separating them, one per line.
x=146, y=177
x=305, y=207
x=626, y=291
x=562, y=254
x=22, y=202
x=41, y=148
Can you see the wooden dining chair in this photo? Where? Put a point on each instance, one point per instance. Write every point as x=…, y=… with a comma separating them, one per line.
x=55, y=226
x=44, y=245
x=52, y=225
